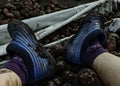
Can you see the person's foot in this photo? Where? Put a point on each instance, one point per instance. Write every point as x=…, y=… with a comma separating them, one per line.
x=91, y=34
x=38, y=61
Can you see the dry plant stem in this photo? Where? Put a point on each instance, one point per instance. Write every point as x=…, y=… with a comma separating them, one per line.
x=57, y=42
x=3, y=47
x=3, y=50
x=36, y=23
x=56, y=26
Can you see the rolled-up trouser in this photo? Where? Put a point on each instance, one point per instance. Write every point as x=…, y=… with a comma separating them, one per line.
x=9, y=78
x=108, y=68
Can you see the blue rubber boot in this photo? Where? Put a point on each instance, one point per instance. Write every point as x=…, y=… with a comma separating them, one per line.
x=90, y=30
x=38, y=61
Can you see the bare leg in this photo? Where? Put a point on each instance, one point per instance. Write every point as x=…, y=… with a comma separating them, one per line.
x=108, y=68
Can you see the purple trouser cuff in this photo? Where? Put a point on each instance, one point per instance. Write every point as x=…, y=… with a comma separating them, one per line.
x=17, y=65
x=92, y=52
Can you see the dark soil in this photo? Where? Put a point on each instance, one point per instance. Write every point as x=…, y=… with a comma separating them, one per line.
x=67, y=72
x=67, y=2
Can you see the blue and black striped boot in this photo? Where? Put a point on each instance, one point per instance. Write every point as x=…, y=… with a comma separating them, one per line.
x=38, y=61
x=90, y=30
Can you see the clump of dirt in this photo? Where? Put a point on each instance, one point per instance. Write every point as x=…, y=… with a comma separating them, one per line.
x=67, y=74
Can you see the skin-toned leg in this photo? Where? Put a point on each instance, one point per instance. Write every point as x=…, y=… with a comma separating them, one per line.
x=108, y=68
x=9, y=78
